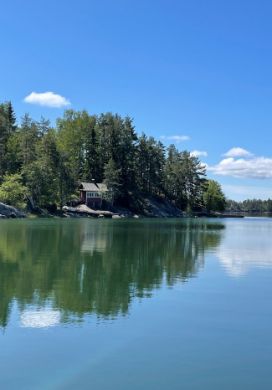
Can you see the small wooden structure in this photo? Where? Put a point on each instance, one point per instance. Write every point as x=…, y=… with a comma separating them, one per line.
x=93, y=194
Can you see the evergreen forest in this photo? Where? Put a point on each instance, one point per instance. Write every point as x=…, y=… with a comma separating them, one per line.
x=41, y=165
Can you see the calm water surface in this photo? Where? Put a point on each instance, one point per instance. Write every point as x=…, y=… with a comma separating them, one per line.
x=144, y=304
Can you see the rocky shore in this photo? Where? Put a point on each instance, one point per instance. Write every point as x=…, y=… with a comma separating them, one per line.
x=145, y=207
x=7, y=211
x=150, y=207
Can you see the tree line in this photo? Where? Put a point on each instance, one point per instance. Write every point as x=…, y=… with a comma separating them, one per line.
x=43, y=165
x=258, y=206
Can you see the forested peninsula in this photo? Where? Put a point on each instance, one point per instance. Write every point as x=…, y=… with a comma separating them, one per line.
x=250, y=206
x=41, y=166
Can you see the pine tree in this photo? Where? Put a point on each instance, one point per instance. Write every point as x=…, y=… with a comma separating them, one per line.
x=112, y=178
x=7, y=128
x=92, y=168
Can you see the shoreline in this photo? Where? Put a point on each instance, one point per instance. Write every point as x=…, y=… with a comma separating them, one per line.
x=82, y=211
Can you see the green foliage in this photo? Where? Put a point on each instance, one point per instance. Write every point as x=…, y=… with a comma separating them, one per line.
x=214, y=199
x=7, y=127
x=150, y=165
x=112, y=177
x=92, y=162
x=184, y=179
x=12, y=191
x=106, y=148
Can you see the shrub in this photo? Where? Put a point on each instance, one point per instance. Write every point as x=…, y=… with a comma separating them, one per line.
x=12, y=191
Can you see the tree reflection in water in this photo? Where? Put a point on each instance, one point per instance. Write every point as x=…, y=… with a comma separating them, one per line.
x=89, y=266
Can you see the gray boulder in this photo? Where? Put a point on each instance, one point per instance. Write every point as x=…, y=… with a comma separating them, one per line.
x=10, y=211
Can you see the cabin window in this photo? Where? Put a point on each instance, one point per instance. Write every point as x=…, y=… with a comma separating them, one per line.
x=92, y=194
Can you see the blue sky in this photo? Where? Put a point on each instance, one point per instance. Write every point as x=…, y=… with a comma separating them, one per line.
x=198, y=71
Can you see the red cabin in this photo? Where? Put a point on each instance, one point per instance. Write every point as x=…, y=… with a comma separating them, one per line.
x=93, y=194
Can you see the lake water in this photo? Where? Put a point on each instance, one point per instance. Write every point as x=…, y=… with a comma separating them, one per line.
x=136, y=304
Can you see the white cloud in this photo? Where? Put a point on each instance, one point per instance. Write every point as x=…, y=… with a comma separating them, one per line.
x=241, y=192
x=48, y=99
x=255, y=167
x=199, y=153
x=238, y=152
x=176, y=138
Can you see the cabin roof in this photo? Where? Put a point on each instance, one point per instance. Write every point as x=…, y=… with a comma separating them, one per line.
x=98, y=187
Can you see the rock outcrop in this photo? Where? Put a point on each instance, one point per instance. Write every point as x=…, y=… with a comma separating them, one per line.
x=83, y=210
x=7, y=211
x=152, y=207
x=160, y=208
x=155, y=207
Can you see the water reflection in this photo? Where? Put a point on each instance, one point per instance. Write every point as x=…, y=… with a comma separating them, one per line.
x=40, y=318
x=246, y=245
x=57, y=271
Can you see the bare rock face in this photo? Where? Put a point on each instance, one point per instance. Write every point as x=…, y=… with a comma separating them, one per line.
x=83, y=210
x=152, y=207
x=159, y=208
x=10, y=212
